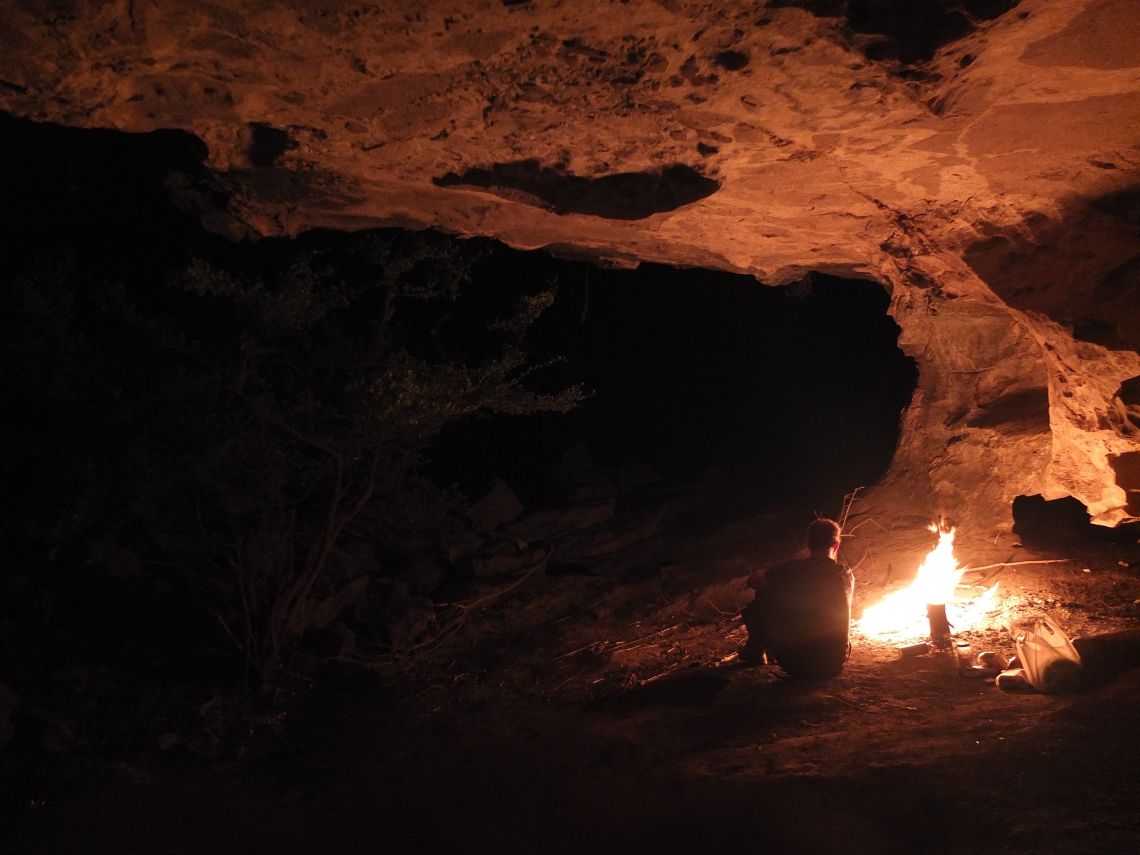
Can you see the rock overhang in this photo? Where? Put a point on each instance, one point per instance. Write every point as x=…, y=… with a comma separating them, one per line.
x=978, y=158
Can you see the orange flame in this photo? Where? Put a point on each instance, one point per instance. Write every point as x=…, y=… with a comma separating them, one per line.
x=901, y=615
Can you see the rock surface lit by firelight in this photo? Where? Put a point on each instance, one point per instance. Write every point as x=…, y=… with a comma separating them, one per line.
x=978, y=158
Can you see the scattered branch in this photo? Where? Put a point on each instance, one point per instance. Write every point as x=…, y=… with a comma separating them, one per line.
x=717, y=608
x=1001, y=565
x=1004, y=564
x=859, y=525
x=848, y=502
x=407, y=658
x=613, y=647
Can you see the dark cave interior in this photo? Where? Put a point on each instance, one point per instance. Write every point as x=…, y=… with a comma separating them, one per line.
x=770, y=399
x=791, y=395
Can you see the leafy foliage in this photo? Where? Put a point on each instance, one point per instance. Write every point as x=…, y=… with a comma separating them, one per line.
x=235, y=425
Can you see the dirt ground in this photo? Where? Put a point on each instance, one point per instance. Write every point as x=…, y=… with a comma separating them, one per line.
x=607, y=712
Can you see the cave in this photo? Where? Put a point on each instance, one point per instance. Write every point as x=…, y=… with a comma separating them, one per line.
x=403, y=402
x=778, y=397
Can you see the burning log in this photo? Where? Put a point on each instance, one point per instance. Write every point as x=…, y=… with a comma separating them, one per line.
x=939, y=632
x=940, y=576
x=939, y=625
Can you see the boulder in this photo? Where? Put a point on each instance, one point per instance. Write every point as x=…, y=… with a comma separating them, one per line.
x=335, y=640
x=608, y=538
x=422, y=576
x=635, y=476
x=463, y=544
x=414, y=620
x=353, y=558
x=498, y=507
x=510, y=562
x=592, y=487
x=576, y=462
x=1107, y=655
x=545, y=525
x=321, y=613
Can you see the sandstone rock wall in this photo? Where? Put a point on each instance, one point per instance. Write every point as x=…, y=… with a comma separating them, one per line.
x=978, y=157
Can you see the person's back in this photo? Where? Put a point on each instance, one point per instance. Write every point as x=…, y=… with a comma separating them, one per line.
x=802, y=612
x=807, y=613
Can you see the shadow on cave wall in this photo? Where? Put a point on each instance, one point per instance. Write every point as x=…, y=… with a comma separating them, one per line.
x=910, y=31
x=1081, y=270
x=1050, y=524
x=621, y=196
x=79, y=187
x=267, y=144
x=1126, y=467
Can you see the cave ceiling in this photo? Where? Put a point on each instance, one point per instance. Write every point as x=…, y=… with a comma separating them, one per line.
x=979, y=158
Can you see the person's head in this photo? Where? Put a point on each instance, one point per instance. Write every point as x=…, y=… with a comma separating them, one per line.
x=823, y=536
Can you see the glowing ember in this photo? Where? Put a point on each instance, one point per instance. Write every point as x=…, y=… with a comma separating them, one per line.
x=901, y=615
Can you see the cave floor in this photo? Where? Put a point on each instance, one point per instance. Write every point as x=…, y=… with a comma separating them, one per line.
x=590, y=713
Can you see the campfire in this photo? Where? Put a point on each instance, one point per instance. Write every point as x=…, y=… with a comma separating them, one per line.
x=934, y=604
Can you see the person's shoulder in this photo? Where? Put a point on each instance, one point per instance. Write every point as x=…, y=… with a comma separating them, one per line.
x=844, y=572
x=792, y=565
x=827, y=565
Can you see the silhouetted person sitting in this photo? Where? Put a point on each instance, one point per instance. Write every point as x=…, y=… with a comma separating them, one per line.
x=802, y=611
